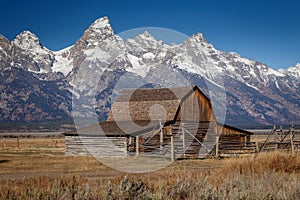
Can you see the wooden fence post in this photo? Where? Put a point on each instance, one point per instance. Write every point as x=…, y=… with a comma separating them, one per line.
x=161, y=137
x=292, y=144
x=217, y=146
x=137, y=146
x=172, y=145
x=281, y=133
x=125, y=146
x=293, y=131
x=18, y=142
x=256, y=146
x=183, y=141
x=172, y=149
x=276, y=138
x=4, y=143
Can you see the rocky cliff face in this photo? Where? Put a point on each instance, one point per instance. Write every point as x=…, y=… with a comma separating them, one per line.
x=37, y=84
x=30, y=90
x=26, y=98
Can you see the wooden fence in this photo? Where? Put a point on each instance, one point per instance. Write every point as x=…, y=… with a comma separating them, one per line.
x=279, y=139
x=35, y=142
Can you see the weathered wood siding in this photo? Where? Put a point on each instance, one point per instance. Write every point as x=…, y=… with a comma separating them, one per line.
x=97, y=146
x=196, y=107
x=228, y=131
x=235, y=144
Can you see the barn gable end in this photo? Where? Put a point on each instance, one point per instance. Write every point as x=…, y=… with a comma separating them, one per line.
x=195, y=106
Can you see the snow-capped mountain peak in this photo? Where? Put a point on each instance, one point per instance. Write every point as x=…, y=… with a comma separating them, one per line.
x=145, y=36
x=147, y=39
x=197, y=42
x=198, y=37
x=143, y=43
x=27, y=40
x=99, y=30
x=92, y=43
x=294, y=70
x=30, y=54
x=101, y=23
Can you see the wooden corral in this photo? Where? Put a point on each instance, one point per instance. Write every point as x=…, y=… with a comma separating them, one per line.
x=167, y=122
x=280, y=139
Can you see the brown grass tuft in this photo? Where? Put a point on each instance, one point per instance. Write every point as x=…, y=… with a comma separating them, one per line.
x=273, y=161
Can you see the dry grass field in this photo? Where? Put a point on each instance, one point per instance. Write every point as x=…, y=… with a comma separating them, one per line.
x=38, y=169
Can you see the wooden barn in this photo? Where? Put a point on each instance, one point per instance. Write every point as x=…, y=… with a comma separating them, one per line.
x=166, y=122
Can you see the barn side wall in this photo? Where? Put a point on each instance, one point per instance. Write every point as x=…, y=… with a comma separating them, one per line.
x=232, y=134
x=96, y=146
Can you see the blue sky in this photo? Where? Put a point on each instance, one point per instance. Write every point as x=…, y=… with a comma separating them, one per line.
x=265, y=30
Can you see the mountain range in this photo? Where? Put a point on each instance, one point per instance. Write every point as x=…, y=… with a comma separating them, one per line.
x=39, y=85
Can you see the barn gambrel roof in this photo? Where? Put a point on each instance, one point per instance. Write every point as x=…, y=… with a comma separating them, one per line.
x=163, y=103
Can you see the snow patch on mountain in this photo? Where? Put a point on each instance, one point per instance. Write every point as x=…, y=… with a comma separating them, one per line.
x=137, y=66
x=62, y=62
x=96, y=53
x=294, y=70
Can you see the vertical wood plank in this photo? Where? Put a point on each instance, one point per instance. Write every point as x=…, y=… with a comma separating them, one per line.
x=183, y=141
x=137, y=146
x=217, y=146
x=276, y=138
x=172, y=149
x=172, y=145
x=161, y=137
x=256, y=146
x=126, y=146
x=281, y=132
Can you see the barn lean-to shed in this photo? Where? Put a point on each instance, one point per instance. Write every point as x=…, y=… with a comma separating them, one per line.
x=164, y=122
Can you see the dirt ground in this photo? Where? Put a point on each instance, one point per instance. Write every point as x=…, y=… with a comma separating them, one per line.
x=33, y=157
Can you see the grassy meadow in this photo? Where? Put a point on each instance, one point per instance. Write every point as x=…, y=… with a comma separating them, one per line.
x=38, y=169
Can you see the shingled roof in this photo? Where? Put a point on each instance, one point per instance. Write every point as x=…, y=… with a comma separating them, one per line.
x=156, y=94
x=112, y=128
x=137, y=104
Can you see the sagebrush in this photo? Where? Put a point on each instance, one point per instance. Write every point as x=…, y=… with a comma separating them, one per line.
x=269, y=176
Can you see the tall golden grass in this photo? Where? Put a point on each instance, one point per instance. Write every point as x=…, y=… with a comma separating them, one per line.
x=273, y=161
x=269, y=176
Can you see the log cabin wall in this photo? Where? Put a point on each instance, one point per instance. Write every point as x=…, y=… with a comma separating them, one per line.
x=96, y=146
x=232, y=139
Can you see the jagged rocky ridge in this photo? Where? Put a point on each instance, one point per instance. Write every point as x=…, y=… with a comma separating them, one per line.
x=37, y=84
